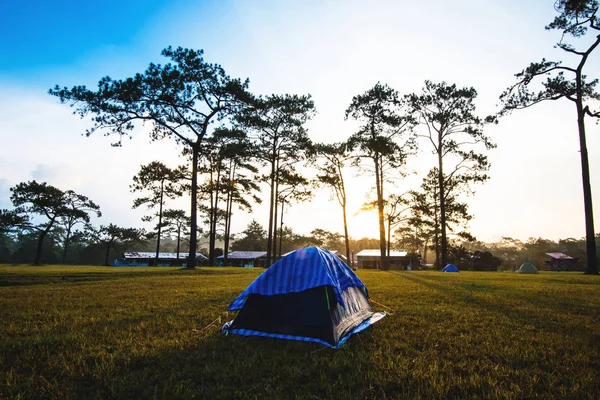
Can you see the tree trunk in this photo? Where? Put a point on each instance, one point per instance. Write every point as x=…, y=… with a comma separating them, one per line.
x=444, y=244
x=281, y=229
x=436, y=236
x=108, y=244
x=271, y=206
x=66, y=246
x=211, y=213
x=228, y=211
x=348, y=260
x=342, y=197
x=227, y=228
x=38, y=252
x=389, y=236
x=191, y=261
x=178, y=241
x=382, y=247
x=437, y=249
x=160, y=207
x=214, y=219
x=590, y=240
x=275, y=222
x=275, y=210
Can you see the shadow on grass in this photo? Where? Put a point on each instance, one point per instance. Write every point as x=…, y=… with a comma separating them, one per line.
x=522, y=309
x=230, y=367
x=17, y=279
x=29, y=280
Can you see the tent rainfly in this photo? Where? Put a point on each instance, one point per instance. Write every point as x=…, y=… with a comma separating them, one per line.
x=309, y=295
x=527, y=268
x=450, y=268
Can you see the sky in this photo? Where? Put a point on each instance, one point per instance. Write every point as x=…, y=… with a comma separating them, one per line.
x=332, y=50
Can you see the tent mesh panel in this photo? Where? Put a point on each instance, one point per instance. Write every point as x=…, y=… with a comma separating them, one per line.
x=313, y=313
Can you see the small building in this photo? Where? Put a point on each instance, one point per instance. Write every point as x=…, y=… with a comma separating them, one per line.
x=148, y=258
x=246, y=259
x=370, y=258
x=562, y=262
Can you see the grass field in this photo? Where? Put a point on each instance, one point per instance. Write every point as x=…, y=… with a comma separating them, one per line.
x=87, y=332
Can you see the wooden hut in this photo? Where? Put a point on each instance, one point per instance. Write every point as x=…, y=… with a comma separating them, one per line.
x=148, y=258
x=562, y=262
x=371, y=258
x=244, y=259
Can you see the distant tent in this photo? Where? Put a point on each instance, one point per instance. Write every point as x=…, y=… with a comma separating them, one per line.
x=527, y=268
x=309, y=295
x=450, y=268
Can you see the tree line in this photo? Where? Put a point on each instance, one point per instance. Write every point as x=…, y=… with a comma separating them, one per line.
x=506, y=254
x=233, y=140
x=46, y=217
x=99, y=246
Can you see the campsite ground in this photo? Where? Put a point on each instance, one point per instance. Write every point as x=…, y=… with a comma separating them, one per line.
x=87, y=332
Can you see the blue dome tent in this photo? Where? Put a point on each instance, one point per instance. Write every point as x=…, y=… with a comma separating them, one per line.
x=309, y=295
x=450, y=268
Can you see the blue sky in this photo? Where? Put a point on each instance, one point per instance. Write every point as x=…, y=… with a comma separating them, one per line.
x=330, y=49
x=43, y=35
x=52, y=39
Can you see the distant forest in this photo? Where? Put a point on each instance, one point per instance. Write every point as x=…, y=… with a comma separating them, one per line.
x=506, y=255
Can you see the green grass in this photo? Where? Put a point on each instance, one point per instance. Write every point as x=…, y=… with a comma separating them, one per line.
x=87, y=332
